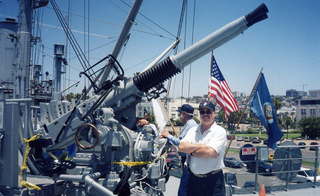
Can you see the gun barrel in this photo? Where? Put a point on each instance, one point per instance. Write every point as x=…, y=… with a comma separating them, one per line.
x=174, y=64
x=257, y=15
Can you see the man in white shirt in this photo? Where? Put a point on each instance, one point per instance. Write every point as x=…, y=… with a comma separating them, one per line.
x=206, y=144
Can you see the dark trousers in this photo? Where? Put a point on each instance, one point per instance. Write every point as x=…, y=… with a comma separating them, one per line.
x=212, y=185
x=183, y=187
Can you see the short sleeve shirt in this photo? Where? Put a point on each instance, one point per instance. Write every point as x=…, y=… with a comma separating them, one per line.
x=184, y=130
x=189, y=124
x=216, y=138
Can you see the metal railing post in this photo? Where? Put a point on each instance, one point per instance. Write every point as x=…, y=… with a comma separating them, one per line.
x=287, y=166
x=316, y=166
x=257, y=171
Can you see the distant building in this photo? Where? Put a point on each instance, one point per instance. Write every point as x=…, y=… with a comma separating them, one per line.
x=295, y=93
x=197, y=99
x=308, y=107
x=289, y=111
x=291, y=93
x=302, y=93
x=314, y=93
x=238, y=94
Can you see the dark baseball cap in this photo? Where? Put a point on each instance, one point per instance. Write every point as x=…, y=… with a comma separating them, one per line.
x=207, y=105
x=186, y=108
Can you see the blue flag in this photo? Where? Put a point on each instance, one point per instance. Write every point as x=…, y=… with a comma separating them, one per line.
x=262, y=106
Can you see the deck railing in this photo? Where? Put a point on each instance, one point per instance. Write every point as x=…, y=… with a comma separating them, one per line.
x=283, y=178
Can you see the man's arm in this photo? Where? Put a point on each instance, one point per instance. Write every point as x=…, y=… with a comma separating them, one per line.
x=205, y=152
x=187, y=147
x=198, y=150
x=215, y=146
x=173, y=140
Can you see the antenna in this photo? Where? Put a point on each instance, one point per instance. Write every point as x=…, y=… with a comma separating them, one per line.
x=303, y=85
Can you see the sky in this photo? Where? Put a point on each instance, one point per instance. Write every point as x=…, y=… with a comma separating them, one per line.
x=286, y=45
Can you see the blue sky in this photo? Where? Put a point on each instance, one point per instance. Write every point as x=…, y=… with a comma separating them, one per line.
x=286, y=45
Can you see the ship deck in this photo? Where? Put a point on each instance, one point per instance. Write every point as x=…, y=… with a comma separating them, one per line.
x=173, y=185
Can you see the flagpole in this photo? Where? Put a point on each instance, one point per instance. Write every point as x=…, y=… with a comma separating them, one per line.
x=232, y=137
x=250, y=96
x=255, y=84
x=210, y=64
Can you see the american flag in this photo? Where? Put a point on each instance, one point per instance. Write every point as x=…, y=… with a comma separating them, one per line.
x=219, y=89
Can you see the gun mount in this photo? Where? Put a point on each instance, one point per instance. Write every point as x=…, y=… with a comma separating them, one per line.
x=98, y=133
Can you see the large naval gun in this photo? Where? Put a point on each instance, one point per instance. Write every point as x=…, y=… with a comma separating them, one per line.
x=92, y=148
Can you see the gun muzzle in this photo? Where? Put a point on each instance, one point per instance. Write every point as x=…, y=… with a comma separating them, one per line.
x=260, y=13
x=174, y=64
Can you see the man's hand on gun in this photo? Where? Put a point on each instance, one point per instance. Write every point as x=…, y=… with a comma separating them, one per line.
x=165, y=133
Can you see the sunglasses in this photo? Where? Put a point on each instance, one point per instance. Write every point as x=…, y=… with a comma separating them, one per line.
x=202, y=112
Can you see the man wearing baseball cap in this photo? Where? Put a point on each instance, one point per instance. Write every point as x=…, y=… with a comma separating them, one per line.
x=206, y=145
x=186, y=117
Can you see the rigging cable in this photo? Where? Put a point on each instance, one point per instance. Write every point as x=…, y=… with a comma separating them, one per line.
x=84, y=37
x=40, y=31
x=153, y=34
x=96, y=48
x=35, y=44
x=150, y=20
x=40, y=34
x=95, y=19
x=72, y=57
x=67, y=55
x=123, y=49
x=88, y=33
x=184, y=45
x=35, y=32
x=192, y=40
x=42, y=61
x=75, y=45
x=176, y=49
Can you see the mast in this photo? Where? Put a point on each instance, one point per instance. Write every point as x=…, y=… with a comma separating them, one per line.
x=23, y=49
x=59, y=68
x=122, y=39
x=24, y=39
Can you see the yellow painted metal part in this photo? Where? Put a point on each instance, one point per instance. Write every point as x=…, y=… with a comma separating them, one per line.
x=24, y=165
x=132, y=163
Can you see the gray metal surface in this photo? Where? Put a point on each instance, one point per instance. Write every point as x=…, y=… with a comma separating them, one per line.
x=8, y=40
x=24, y=49
x=173, y=185
x=122, y=37
x=298, y=192
x=101, y=189
x=287, y=159
x=9, y=167
x=59, y=66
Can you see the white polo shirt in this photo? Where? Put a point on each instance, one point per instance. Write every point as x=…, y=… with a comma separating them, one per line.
x=216, y=138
